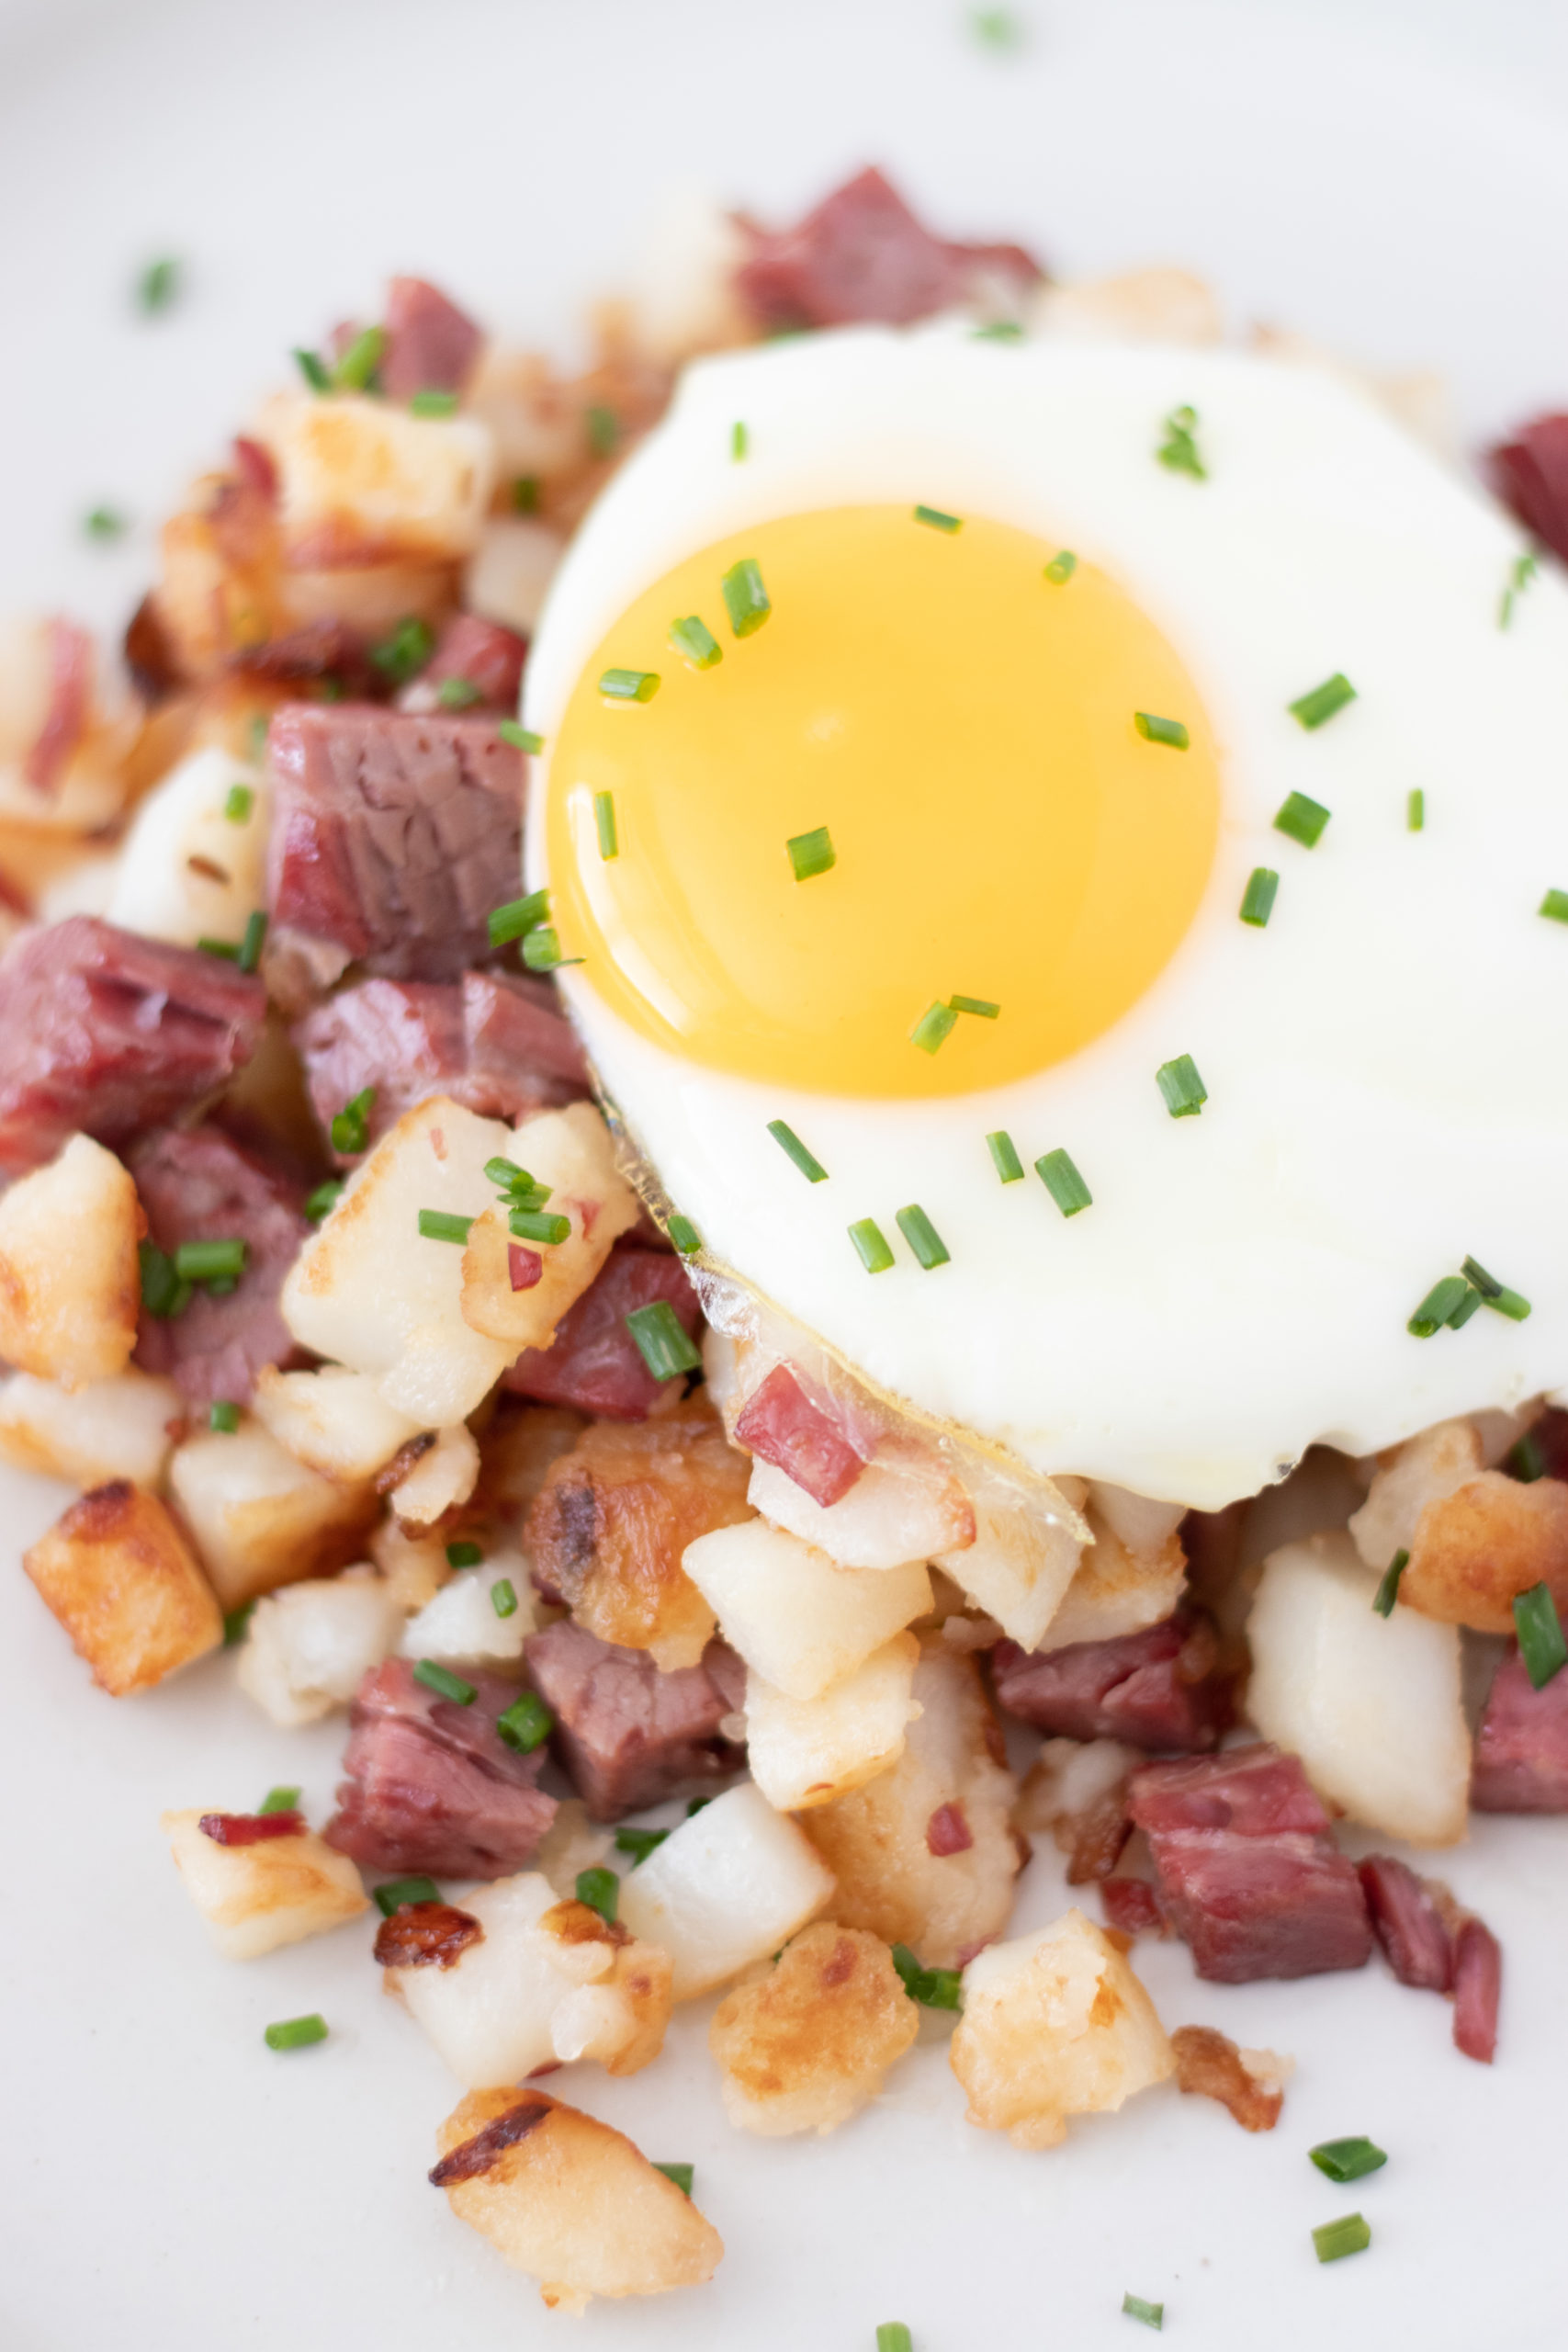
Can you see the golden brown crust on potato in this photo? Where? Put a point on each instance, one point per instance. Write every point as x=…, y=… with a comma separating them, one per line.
x=120, y=1577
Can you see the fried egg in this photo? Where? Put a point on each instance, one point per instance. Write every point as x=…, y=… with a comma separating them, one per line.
x=924, y=716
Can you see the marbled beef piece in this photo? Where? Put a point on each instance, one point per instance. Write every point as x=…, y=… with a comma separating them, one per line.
x=112, y=1035
x=431, y=1785
x=1410, y=1927
x=199, y=1184
x=1478, y=1991
x=627, y=1734
x=1521, y=1745
x=1161, y=1689
x=484, y=657
x=1529, y=474
x=781, y=1424
x=431, y=345
x=395, y=836
x=594, y=1363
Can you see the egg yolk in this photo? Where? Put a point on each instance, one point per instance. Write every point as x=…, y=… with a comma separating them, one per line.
x=962, y=727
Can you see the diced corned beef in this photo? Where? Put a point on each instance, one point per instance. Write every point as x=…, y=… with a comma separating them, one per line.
x=112, y=1035
x=251, y=1829
x=483, y=655
x=520, y=1042
x=1529, y=474
x=431, y=345
x=254, y=466
x=1159, y=1689
x=1521, y=1745
x=781, y=1424
x=594, y=1363
x=1254, y=1791
x=1132, y=1906
x=432, y=1786
x=862, y=255
x=70, y=696
x=525, y=1267
x=320, y=649
x=199, y=1184
x=948, y=1832
x=628, y=1735
x=394, y=835
x=1478, y=1991
x=1411, y=1929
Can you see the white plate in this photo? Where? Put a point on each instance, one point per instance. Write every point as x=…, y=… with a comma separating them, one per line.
x=162, y=2174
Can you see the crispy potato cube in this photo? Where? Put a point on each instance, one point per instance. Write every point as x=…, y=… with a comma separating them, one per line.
x=458, y=1626
x=308, y=1648
x=805, y=1752
x=333, y=1419
x=804, y=2041
x=619, y=2015
x=569, y=2200
x=728, y=1884
x=1490, y=1539
x=443, y=1475
x=1159, y=305
x=1425, y=1469
x=256, y=1898
x=415, y=1568
x=69, y=1286
x=517, y=1445
x=364, y=481
x=1055, y=2024
x=117, y=1573
x=261, y=1519
x=894, y=1512
x=1026, y=1552
x=573, y=1152
x=112, y=1429
x=797, y=1618
x=188, y=870
x=1118, y=1588
x=91, y=789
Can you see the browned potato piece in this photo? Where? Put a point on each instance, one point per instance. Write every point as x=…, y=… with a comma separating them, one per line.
x=804, y=2041
x=613, y=1517
x=259, y=1518
x=69, y=1288
x=518, y=1447
x=620, y=2017
x=566, y=2199
x=1490, y=1539
x=119, y=1575
x=256, y=1898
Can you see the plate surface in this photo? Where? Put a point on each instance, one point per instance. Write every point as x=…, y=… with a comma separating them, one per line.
x=1395, y=182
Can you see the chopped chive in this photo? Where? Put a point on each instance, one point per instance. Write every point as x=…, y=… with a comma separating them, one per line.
x=254, y=941
x=682, y=2175
x=1064, y=1183
x=281, y=1801
x=921, y=1236
x=997, y=27
x=441, y=1224
x=1511, y=1304
x=640, y=1843
x=811, y=854
x=203, y=1261
x=1415, y=811
x=685, y=1234
x=980, y=1006
x=310, y=365
x=1345, y=2160
x=356, y=371
x=1524, y=1460
x=1333, y=2240
x=296, y=2033
x=540, y=1225
x=745, y=598
x=740, y=441
x=934, y=1028
x=661, y=1340
x=1540, y=1631
x=238, y=803
x=1061, y=568
x=629, y=685
x=600, y=1890
x=1521, y=572
x=1178, y=450
x=221, y=1285
x=224, y=1416
x=1257, y=899
x=408, y=649
x=788, y=1142
x=1439, y=1308
x=1171, y=731
x=1184, y=1091
x=934, y=1988
x=604, y=823
x=503, y=1597
x=349, y=1130
x=505, y=1174
x=466, y=1554
x=695, y=1804
x=518, y=917
x=1383, y=1599
x=1313, y=709
x=525, y=494
x=158, y=288
x=106, y=523
x=893, y=2336
x=522, y=739
x=457, y=694
x=443, y=1682
x=162, y=1291
x=431, y=403
x=236, y=1625
x=1301, y=819
x=938, y=520
x=871, y=1245
x=1152, y=2314
x=998, y=331
x=526, y=1723
x=394, y=1893
x=258, y=726
x=541, y=950
x=1004, y=1156
x=696, y=642
x=230, y=950
x=603, y=428
x=324, y=1199
x=1554, y=906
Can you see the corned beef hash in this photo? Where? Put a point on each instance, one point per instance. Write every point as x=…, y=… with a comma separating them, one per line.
x=719, y=1075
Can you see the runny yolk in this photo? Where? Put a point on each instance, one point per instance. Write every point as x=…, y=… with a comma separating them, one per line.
x=964, y=729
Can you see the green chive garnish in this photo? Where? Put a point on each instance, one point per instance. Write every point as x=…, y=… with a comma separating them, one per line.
x=1064, y=1183
x=441, y=1224
x=540, y=1225
x=685, y=1234
x=694, y=1805
x=518, y=917
x=162, y=1291
x=682, y=2175
x=464, y=1555
x=296, y=2033
x=205, y=1262
x=443, y=1682
x=106, y=523
x=238, y=803
x=934, y=1988
x=1061, y=568
x=1301, y=819
x=1521, y=572
x=1313, y=709
x=314, y=373
x=810, y=1167
x=1184, y=1091
x=158, y=288
x=224, y=1416
x=1257, y=899
x=871, y=1245
x=541, y=950
x=998, y=331
x=629, y=685
x=1496, y=1295
x=1334, y=2239
x=1152, y=2314
x=640, y=1843
x=1161, y=730
x=1439, y=1306
x=739, y=441
x=811, y=854
x=324, y=1199
x=394, y=1893
x=921, y=1236
x=745, y=598
x=236, y=1625
x=981, y=1006
x=349, y=1130
x=526, y=1723
x=408, y=649
x=696, y=642
x=525, y=491
x=522, y=739
x=934, y=1028
x=1468, y=1305
x=503, y=1597
x=603, y=428
x=1178, y=450
x=938, y=520
x=281, y=1801
x=1004, y=1157
x=1383, y=1599
x=457, y=694
x=355, y=369
x=604, y=823
x=661, y=1340
x=600, y=1890
x=1540, y=1631
x=1554, y=906
x=227, y=948
x=433, y=403
x=1415, y=811
x=254, y=941
x=1524, y=1461
x=1345, y=2160
x=893, y=2336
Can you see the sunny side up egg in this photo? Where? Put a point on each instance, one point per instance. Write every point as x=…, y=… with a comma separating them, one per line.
x=978, y=727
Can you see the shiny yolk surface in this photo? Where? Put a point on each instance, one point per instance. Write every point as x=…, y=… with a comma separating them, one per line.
x=964, y=729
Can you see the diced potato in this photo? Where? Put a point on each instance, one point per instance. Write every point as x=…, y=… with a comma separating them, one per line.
x=261, y=1519
x=82, y=886
x=189, y=870
x=892, y=1514
x=1476, y=1549
x=1139, y=306
x=460, y=1625
x=444, y=1475
x=797, y=1618
x=728, y=1884
x=415, y=1568
x=69, y=1286
x=517, y=1446
x=1070, y=1776
x=805, y=1752
x=875, y=1839
x=569, y=2201
x=618, y=2019
x=309, y=1647
x=1054, y=2025
x=90, y=792
x=1026, y=1552
x=1138, y=1522
x=510, y=571
x=1371, y=1705
x=1425, y=1469
x=256, y=1898
x=113, y=1429
x=361, y=480
x=804, y=2041
x=573, y=1152
x=333, y=1419
x=686, y=296
x=1117, y=1589
x=119, y=1575
x=371, y=1292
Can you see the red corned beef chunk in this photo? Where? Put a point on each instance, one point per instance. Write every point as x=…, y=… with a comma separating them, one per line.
x=112, y=1035
x=1410, y=1928
x=1478, y=1991
x=431, y=345
x=627, y=1734
x=1521, y=1745
x=862, y=255
x=432, y=1785
x=483, y=655
x=1133, y=1905
x=1159, y=1688
x=1529, y=474
x=395, y=835
x=70, y=694
x=199, y=1184
x=1245, y=1871
x=781, y=1424
x=594, y=1363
